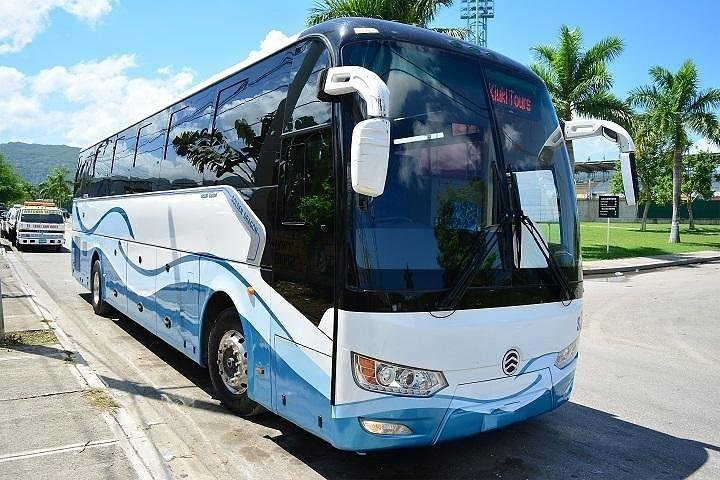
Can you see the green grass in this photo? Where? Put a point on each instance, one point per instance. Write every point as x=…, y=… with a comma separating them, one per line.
x=626, y=240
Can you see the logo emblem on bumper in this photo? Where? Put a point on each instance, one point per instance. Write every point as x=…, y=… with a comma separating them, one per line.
x=510, y=362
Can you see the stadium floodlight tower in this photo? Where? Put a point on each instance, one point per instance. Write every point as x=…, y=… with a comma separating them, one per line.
x=476, y=14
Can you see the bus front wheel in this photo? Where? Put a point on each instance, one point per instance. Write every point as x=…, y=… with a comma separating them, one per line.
x=228, y=363
x=96, y=290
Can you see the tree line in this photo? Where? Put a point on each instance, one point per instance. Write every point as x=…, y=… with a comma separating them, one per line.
x=662, y=116
x=15, y=189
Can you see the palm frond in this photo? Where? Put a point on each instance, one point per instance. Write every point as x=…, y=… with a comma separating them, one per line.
x=706, y=100
x=545, y=54
x=324, y=10
x=569, y=51
x=662, y=77
x=706, y=124
x=426, y=10
x=412, y=12
x=645, y=97
x=599, y=54
x=607, y=106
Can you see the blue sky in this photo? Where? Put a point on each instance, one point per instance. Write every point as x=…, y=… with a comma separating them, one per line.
x=73, y=70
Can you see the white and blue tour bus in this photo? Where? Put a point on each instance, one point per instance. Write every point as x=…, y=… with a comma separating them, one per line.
x=371, y=232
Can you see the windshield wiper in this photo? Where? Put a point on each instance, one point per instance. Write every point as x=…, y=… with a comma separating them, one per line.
x=544, y=248
x=480, y=251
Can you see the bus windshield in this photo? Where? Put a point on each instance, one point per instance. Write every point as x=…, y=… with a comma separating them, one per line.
x=41, y=218
x=445, y=196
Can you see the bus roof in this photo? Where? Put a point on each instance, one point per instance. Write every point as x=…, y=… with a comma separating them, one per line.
x=341, y=31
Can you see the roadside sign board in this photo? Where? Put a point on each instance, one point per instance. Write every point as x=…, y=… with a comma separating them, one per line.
x=609, y=206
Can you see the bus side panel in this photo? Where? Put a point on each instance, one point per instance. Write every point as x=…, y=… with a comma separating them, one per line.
x=303, y=386
x=114, y=269
x=177, y=297
x=141, y=271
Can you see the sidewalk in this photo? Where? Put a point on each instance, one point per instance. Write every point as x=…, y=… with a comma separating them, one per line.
x=52, y=423
x=605, y=267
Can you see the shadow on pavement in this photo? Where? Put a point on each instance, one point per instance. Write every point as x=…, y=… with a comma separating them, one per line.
x=574, y=441
x=48, y=351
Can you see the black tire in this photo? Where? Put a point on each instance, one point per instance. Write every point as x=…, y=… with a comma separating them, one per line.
x=57, y=248
x=98, y=298
x=238, y=401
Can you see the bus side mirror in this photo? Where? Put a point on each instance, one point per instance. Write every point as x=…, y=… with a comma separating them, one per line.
x=369, y=155
x=370, y=145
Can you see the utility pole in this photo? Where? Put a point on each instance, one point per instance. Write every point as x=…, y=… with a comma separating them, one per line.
x=476, y=14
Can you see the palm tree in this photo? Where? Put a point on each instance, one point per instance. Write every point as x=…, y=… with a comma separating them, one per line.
x=677, y=107
x=56, y=187
x=412, y=12
x=579, y=80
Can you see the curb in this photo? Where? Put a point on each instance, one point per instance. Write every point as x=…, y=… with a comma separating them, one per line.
x=144, y=457
x=649, y=266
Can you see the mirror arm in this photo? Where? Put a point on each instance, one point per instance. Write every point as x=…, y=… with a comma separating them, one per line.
x=587, y=128
x=351, y=79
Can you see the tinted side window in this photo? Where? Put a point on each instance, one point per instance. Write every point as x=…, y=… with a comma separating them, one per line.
x=310, y=59
x=151, y=146
x=190, y=123
x=124, y=154
x=84, y=173
x=99, y=184
x=248, y=125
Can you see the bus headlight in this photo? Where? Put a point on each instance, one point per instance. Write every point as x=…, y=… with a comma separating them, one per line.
x=567, y=354
x=386, y=377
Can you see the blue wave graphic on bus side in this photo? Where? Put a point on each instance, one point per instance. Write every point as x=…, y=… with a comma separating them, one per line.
x=191, y=258
x=92, y=229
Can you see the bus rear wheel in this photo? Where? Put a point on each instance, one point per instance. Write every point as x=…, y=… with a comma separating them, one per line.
x=228, y=363
x=96, y=290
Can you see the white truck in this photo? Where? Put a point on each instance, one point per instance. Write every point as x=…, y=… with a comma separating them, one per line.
x=38, y=223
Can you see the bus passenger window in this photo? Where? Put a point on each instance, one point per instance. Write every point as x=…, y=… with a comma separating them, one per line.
x=190, y=125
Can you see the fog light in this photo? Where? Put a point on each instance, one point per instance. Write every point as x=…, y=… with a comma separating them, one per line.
x=385, y=428
x=567, y=354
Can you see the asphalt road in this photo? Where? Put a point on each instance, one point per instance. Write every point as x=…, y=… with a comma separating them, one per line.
x=645, y=403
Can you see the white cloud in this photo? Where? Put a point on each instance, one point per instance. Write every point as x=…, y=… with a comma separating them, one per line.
x=274, y=40
x=98, y=96
x=22, y=20
x=82, y=103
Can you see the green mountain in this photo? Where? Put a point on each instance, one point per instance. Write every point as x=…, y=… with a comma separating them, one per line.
x=34, y=161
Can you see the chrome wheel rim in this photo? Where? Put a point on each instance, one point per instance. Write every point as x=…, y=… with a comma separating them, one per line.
x=96, y=287
x=232, y=362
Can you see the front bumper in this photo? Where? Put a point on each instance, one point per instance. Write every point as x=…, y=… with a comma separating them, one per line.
x=469, y=409
x=40, y=239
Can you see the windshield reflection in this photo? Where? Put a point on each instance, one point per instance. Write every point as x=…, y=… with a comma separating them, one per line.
x=442, y=205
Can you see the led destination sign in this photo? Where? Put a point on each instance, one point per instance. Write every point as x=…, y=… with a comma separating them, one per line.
x=510, y=98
